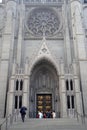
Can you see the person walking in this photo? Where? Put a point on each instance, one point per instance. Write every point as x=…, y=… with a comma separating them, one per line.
x=23, y=113
x=40, y=114
x=53, y=114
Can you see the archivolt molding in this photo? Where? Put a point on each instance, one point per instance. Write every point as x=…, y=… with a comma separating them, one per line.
x=46, y=58
x=44, y=54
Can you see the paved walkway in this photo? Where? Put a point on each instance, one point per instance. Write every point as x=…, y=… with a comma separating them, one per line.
x=48, y=124
x=1, y=120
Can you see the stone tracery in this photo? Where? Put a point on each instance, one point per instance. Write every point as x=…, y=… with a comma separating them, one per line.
x=43, y=21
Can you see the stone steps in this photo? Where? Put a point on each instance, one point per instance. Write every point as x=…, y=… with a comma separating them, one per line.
x=1, y=120
x=48, y=124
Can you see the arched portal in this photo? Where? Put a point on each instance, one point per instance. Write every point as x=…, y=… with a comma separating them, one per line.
x=44, y=89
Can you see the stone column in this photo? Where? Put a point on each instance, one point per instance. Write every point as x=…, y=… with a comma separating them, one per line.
x=7, y=42
x=67, y=43
x=20, y=34
x=78, y=31
x=77, y=89
x=63, y=92
x=10, y=97
x=26, y=89
x=14, y=68
x=10, y=106
x=79, y=46
x=78, y=95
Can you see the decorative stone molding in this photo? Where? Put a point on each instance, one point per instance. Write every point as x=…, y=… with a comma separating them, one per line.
x=43, y=2
x=11, y=0
x=44, y=54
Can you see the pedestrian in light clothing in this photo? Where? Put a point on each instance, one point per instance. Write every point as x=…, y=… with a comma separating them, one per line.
x=40, y=114
x=53, y=114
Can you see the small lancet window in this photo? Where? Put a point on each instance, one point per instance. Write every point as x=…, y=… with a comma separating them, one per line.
x=72, y=100
x=21, y=85
x=20, y=101
x=17, y=84
x=71, y=84
x=16, y=102
x=68, y=102
x=67, y=85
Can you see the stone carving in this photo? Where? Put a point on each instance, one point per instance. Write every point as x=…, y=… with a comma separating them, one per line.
x=44, y=50
x=43, y=21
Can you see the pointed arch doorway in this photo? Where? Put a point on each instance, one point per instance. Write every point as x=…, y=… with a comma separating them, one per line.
x=44, y=89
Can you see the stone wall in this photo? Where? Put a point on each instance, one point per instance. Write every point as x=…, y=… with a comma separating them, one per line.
x=56, y=48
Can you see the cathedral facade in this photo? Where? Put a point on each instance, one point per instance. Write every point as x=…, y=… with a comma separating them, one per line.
x=43, y=57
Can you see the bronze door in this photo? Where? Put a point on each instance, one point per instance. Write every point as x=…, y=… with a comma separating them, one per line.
x=44, y=102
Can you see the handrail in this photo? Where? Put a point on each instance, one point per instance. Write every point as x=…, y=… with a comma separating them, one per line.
x=82, y=116
x=8, y=121
x=4, y=122
x=85, y=115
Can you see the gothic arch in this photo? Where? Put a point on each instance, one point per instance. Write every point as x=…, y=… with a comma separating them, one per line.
x=44, y=80
x=46, y=58
x=44, y=64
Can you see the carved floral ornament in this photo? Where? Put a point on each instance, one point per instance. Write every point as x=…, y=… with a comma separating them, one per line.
x=43, y=21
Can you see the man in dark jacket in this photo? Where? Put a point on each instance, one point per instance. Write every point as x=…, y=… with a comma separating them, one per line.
x=23, y=112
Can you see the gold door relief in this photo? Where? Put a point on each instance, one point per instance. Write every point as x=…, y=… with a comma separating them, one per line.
x=44, y=102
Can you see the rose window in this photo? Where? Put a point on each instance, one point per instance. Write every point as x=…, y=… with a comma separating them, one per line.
x=43, y=21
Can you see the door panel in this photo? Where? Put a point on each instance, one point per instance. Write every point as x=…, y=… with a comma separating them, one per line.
x=44, y=102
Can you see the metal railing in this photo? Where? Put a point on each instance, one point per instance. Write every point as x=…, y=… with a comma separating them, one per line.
x=81, y=117
x=8, y=121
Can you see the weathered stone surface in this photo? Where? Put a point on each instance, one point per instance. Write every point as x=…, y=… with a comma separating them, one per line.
x=43, y=50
